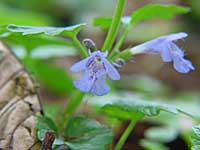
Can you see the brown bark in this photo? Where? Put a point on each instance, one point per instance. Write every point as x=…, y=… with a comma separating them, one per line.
x=19, y=104
x=48, y=141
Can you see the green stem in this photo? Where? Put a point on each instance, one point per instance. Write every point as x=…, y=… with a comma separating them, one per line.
x=112, y=33
x=125, y=54
x=70, y=108
x=123, y=37
x=77, y=43
x=127, y=132
x=121, y=40
x=73, y=103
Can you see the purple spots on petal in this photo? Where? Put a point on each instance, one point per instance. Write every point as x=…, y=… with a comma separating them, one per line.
x=100, y=87
x=95, y=67
x=84, y=83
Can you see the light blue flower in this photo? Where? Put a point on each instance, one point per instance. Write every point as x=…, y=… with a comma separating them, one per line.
x=168, y=49
x=95, y=69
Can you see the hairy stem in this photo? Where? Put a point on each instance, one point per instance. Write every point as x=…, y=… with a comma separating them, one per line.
x=81, y=48
x=70, y=109
x=122, y=37
x=74, y=103
x=121, y=40
x=112, y=33
x=127, y=132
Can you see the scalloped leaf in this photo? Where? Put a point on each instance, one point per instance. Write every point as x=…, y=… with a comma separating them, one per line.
x=91, y=136
x=196, y=147
x=195, y=138
x=126, y=105
x=50, y=31
x=196, y=130
x=41, y=46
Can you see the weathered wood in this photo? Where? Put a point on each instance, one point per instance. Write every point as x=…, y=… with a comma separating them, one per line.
x=19, y=104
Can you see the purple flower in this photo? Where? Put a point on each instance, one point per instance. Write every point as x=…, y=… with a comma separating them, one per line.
x=168, y=49
x=95, y=69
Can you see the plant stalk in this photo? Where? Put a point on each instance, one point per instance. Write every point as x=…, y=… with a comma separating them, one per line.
x=127, y=132
x=112, y=33
x=70, y=109
x=81, y=48
x=74, y=103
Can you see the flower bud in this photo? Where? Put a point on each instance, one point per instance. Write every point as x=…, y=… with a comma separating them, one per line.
x=119, y=63
x=89, y=44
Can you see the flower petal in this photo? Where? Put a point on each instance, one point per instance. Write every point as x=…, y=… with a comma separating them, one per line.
x=105, y=54
x=182, y=65
x=177, y=50
x=154, y=46
x=79, y=66
x=84, y=83
x=112, y=72
x=100, y=87
x=176, y=36
x=165, y=53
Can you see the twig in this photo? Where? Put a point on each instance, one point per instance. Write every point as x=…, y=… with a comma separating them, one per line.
x=48, y=141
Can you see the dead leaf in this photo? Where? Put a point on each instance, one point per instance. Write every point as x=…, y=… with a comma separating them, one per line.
x=19, y=104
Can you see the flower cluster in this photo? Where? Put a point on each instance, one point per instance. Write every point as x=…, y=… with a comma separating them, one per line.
x=96, y=67
x=169, y=51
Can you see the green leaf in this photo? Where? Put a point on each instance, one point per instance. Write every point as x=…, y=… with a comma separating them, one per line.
x=153, y=11
x=87, y=134
x=86, y=124
x=197, y=147
x=36, y=40
x=53, y=77
x=103, y=22
x=195, y=138
x=148, y=12
x=161, y=134
x=45, y=123
x=152, y=145
x=125, y=105
x=55, y=46
x=42, y=46
x=41, y=134
x=196, y=130
x=49, y=31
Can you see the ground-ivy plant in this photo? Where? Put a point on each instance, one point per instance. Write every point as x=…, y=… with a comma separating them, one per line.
x=79, y=132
